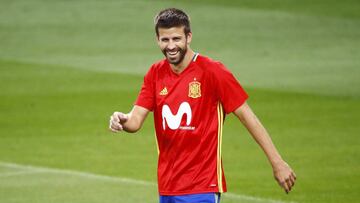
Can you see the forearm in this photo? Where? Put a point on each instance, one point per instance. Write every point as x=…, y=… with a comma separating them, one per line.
x=132, y=125
x=130, y=122
x=261, y=136
x=259, y=133
x=283, y=174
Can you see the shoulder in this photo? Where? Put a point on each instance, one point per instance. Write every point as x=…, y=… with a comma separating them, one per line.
x=210, y=65
x=205, y=60
x=161, y=64
x=157, y=67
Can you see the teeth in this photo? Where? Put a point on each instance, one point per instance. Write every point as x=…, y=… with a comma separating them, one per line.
x=173, y=52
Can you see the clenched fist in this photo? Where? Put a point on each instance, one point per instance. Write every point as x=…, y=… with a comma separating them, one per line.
x=117, y=121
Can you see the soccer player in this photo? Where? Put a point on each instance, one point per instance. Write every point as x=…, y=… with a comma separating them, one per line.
x=189, y=95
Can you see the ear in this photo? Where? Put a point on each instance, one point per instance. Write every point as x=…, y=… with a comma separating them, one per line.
x=189, y=38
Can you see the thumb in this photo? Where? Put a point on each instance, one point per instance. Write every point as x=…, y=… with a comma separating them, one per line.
x=123, y=118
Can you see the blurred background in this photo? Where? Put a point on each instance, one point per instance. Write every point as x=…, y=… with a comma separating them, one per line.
x=65, y=66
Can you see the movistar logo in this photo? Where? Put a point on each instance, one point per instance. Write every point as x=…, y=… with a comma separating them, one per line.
x=173, y=121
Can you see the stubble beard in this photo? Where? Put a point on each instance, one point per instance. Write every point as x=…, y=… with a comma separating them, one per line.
x=178, y=60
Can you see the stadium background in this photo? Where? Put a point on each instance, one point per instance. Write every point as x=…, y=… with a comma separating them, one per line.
x=66, y=65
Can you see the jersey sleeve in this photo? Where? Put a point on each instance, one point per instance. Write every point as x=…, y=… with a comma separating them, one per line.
x=146, y=96
x=229, y=90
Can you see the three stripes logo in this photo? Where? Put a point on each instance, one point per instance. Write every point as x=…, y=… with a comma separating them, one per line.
x=163, y=91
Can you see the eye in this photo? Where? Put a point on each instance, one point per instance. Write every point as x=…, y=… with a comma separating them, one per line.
x=164, y=39
x=176, y=39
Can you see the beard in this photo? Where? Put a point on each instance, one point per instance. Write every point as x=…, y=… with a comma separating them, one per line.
x=176, y=59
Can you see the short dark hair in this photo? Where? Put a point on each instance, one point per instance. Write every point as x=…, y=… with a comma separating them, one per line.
x=172, y=17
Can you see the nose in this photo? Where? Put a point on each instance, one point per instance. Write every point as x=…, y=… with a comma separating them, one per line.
x=171, y=45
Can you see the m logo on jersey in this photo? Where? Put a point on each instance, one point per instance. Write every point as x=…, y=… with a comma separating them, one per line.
x=173, y=121
x=194, y=89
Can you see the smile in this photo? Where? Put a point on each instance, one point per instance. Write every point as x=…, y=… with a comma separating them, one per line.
x=172, y=53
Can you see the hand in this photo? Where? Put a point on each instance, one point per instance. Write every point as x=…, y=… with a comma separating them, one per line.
x=284, y=175
x=117, y=121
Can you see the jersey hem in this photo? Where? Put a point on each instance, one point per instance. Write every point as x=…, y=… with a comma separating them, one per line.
x=165, y=193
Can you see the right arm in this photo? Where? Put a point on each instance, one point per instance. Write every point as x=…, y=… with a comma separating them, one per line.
x=130, y=122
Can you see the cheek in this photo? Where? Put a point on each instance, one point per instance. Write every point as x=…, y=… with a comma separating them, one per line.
x=183, y=45
x=162, y=46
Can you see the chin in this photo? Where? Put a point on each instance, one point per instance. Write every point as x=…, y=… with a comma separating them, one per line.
x=173, y=61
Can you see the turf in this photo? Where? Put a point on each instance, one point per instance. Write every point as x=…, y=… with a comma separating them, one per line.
x=306, y=47
x=65, y=66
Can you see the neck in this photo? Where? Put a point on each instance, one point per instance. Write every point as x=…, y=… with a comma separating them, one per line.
x=185, y=62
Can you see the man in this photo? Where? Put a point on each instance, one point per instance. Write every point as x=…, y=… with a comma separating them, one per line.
x=189, y=94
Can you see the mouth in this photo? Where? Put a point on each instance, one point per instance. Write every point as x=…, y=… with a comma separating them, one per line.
x=174, y=56
x=172, y=53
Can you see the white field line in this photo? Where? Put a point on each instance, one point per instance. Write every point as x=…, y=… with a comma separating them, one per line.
x=28, y=169
x=8, y=174
x=77, y=173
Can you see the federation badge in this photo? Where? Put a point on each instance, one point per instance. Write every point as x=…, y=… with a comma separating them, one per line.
x=195, y=89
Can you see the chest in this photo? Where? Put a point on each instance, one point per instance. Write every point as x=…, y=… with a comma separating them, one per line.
x=194, y=87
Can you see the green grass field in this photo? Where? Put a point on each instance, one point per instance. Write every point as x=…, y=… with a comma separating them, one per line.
x=65, y=66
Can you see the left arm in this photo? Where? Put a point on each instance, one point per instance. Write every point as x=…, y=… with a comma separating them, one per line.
x=283, y=174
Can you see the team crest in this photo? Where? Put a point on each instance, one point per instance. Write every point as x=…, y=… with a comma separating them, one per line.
x=194, y=89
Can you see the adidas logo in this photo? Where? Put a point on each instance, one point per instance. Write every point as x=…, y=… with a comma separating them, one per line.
x=164, y=91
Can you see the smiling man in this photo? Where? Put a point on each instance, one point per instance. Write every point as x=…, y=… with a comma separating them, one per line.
x=189, y=95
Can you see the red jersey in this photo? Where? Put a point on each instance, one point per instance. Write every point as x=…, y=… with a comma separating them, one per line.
x=189, y=114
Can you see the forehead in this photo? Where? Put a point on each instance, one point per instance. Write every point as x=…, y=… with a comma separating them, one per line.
x=171, y=32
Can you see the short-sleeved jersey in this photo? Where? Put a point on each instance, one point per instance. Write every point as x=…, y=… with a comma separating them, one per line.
x=189, y=114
